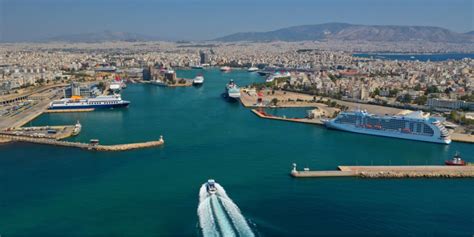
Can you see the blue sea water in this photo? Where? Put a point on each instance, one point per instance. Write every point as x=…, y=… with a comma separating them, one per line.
x=419, y=57
x=56, y=191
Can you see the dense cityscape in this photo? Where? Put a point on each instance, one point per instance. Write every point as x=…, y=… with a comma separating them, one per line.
x=236, y=118
x=441, y=86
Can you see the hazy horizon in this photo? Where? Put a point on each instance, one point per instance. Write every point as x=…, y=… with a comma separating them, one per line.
x=29, y=20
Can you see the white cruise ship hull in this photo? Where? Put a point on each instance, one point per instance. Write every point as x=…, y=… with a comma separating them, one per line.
x=385, y=133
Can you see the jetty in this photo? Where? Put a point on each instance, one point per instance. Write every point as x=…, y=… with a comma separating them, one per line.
x=264, y=115
x=57, y=132
x=94, y=146
x=415, y=171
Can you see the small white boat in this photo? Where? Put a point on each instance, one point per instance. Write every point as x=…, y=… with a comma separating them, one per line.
x=211, y=186
x=158, y=82
x=198, y=80
x=252, y=69
x=77, y=129
x=225, y=68
x=198, y=66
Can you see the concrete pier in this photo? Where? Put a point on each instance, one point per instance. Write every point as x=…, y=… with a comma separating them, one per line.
x=420, y=171
x=87, y=146
x=295, y=120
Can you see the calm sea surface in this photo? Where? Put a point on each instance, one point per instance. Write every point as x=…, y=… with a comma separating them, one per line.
x=419, y=57
x=54, y=191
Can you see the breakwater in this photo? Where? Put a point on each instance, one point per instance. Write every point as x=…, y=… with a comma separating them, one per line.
x=416, y=171
x=86, y=146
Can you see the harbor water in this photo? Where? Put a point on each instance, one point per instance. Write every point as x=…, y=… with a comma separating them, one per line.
x=57, y=191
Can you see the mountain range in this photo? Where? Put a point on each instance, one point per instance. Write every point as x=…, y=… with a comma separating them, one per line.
x=351, y=32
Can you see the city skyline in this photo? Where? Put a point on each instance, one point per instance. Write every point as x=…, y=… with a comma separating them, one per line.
x=27, y=20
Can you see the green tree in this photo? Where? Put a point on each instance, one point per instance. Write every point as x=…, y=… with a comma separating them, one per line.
x=431, y=89
x=393, y=92
x=274, y=101
x=421, y=100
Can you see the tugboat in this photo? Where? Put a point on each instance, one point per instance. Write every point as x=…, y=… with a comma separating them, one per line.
x=211, y=187
x=456, y=160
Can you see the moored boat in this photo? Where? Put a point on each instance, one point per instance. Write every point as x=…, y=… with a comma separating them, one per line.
x=456, y=160
x=252, y=69
x=412, y=126
x=99, y=102
x=198, y=66
x=158, y=82
x=77, y=129
x=225, y=69
x=232, y=90
x=198, y=80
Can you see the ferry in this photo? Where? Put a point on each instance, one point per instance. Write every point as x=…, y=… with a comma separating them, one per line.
x=211, y=186
x=232, y=90
x=412, y=126
x=456, y=160
x=198, y=80
x=99, y=102
x=225, y=69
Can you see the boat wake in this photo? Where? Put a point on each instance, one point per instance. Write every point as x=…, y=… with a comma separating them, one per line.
x=219, y=216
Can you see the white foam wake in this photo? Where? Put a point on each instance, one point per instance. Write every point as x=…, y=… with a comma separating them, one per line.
x=206, y=219
x=220, y=216
x=237, y=218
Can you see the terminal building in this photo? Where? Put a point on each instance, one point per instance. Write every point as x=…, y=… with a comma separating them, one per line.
x=449, y=104
x=86, y=91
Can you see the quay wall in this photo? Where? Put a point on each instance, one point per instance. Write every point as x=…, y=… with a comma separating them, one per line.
x=427, y=171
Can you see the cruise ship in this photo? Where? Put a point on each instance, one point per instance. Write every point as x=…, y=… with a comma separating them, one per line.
x=99, y=102
x=412, y=126
x=278, y=75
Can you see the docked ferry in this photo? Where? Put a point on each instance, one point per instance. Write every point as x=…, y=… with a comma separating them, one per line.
x=412, y=126
x=232, y=90
x=99, y=102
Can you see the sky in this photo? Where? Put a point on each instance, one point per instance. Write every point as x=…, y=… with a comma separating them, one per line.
x=25, y=20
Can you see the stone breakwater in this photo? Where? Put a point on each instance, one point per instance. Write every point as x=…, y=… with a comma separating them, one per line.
x=389, y=174
x=421, y=171
x=86, y=146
